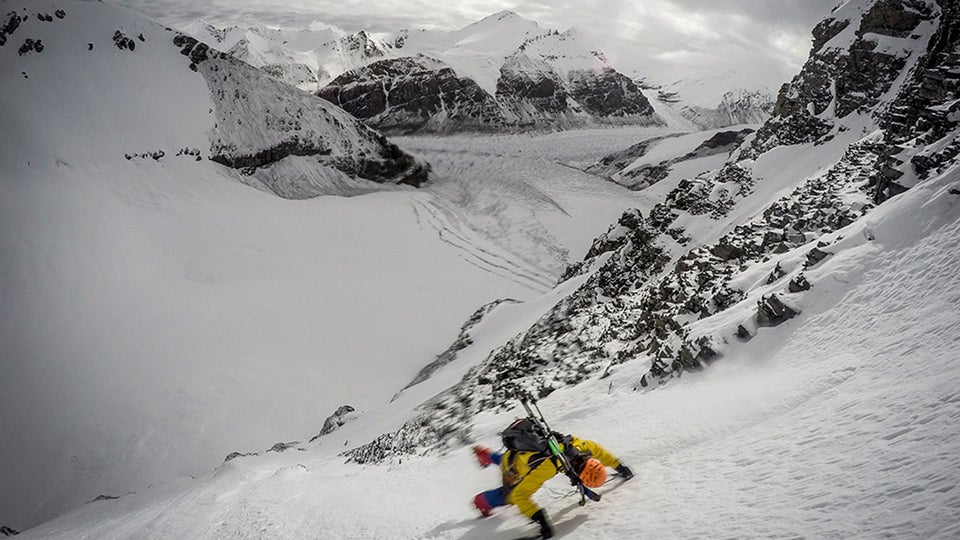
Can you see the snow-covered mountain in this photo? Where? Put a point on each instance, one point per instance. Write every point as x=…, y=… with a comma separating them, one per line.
x=481, y=78
x=736, y=107
x=503, y=72
x=307, y=58
x=214, y=108
x=802, y=283
x=727, y=254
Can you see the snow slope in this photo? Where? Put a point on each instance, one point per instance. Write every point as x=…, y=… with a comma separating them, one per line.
x=874, y=334
x=158, y=314
x=841, y=423
x=502, y=73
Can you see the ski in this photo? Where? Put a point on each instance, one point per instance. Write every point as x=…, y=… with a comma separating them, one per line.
x=554, y=446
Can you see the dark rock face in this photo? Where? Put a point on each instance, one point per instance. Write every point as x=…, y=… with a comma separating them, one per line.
x=799, y=284
x=925, y=111
x=410, y=94
x=644, y=176
x=771, y=311
x=462, y=342
x=722, y=141
x=532, y=95
x=9, y=26
x=617, y=161
x=283, y=446
x=361, y=42
x=30, y=45
x=8, y=531
x=826, y=30
x=291, y=147
x=404, y=95
x=234, y=455
x=334, y=421
x=897, y=18
x=123, y=42
x=860, y=73
x=608, y=93
x=814, y=256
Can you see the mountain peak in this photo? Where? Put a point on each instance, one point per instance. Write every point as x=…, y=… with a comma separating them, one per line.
x=503, y=14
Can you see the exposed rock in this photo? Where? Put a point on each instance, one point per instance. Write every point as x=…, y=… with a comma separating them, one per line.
x=531, y=89
x=772, y=312
x=814, y=256
x=463, y=341
x=608, y=93
x=617, y=161
x=30, y=45
x=8, y=531
x=410, y=94
x=620, y=168
x=798, y=284
x=826, y=30
x=927, y=108
x=334, y=421
x=9, y=26
x=283, y=446
x=234, y=455
x=123, y=42
x=776, y=274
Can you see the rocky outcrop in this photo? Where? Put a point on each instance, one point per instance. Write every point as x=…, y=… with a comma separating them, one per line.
x=609, y=95
x=620, y=166
x=926, y=112
x=341, y=416
x=848, y=68
x=531, y=90
x=462, y=342
x=854, y=61
x=414, y=94
x=8, y=531
x=404, y=95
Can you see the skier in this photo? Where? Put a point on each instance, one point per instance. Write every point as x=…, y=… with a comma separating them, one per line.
x=527, y=464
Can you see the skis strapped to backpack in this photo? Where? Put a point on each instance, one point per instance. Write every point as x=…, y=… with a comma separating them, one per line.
x=556, y=453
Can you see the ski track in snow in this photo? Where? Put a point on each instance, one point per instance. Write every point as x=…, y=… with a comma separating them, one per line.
x=478, y=251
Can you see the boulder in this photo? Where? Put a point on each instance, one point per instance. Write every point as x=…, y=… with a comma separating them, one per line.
x=798, y=284
x=772, y=312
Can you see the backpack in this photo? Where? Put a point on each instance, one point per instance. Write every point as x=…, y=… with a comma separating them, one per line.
x=523, y=436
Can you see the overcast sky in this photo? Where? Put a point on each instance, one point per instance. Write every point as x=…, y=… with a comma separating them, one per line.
x=766, y=40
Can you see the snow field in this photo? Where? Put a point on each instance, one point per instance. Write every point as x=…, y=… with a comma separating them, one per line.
x=843, y=422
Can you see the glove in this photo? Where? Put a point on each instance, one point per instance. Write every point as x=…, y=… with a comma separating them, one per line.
x=483, y=456
x=625, y=472
x=546, y=531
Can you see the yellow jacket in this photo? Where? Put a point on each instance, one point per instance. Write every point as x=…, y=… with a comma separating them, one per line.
x=525, y=472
